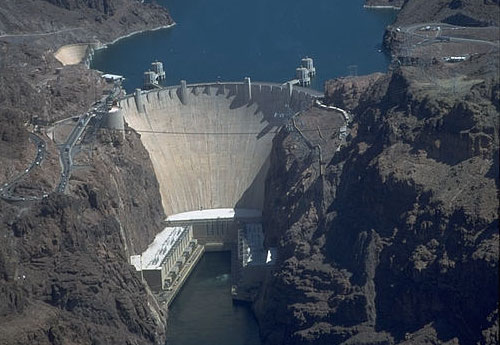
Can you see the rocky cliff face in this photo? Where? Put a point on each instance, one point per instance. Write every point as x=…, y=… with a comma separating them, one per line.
x=396, y=241
x=76, y=21
x=63, y=261
x=64, y=272
x=456, y=12
x=105, y=6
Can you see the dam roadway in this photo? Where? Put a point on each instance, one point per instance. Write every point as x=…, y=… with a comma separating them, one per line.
x=210, y=143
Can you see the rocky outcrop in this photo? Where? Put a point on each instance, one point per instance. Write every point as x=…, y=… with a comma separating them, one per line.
x=64, y=260
x=347, y=92
x=396, y=241
x=456, y=12
x=64, y=272
x=105, y=6
x=61, y=22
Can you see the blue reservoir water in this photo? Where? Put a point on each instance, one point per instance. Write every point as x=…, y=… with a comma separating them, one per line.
x=203, y=312
x=264, y=39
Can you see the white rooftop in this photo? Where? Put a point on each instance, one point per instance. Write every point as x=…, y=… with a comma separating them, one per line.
x=216, y=213
x=156, y=252
x=112, y=76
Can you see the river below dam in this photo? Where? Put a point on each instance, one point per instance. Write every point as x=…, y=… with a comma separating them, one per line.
x=264, y=40
x=204, y=313
x=227, y=40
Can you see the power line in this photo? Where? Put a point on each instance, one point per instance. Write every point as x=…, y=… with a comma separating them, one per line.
x=230, y=133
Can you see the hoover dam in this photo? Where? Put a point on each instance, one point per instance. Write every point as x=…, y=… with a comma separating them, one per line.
x=210, y=143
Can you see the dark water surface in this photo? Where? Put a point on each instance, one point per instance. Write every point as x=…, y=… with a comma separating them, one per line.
x=263, y=39
x=203, y=312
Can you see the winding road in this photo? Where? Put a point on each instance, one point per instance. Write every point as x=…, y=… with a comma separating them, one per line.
x=6, y=189
x=66, y=153
x=418, y=30
x=36, y=34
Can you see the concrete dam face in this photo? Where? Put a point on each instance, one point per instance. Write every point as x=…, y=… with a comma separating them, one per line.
x=210, y=143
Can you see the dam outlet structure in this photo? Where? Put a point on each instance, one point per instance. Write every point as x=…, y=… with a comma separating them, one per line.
x=210, y=146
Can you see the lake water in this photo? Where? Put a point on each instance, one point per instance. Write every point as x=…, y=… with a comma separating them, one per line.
x=203, y=312
x=228, y=40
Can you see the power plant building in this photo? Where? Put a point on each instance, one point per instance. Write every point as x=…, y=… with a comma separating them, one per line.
x=161, y=262
x=215, y=228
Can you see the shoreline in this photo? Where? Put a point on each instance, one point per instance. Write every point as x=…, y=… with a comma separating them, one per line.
x=104, y=45
x=91, y=47
x=98, y=46
x=383, y=7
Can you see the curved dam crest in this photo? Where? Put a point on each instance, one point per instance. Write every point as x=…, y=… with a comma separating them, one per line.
x=210, y=143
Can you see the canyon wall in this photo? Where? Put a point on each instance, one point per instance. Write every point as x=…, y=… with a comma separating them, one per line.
x=64, y=272
x=396, y=240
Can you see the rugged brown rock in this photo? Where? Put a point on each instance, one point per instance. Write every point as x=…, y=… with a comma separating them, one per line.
x=64, y=276
x=64, y=260
x=457, y=12
x=61, y=22
x=396, y=242
x=105, y=6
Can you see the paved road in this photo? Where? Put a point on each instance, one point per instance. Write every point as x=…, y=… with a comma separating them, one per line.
x=66, y=152
x=421, y=30
x=35, y=34
x=6, y=189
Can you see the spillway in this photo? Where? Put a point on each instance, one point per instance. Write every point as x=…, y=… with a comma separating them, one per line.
x=210, y=143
